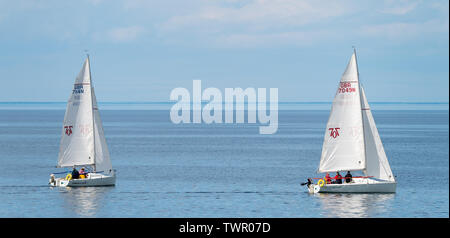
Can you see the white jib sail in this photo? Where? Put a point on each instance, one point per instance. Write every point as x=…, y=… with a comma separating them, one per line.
x=77, y=139
x=102, y=159
x=343, y=145
x=376, y=159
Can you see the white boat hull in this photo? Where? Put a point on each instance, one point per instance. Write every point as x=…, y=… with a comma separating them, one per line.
x=365, y=185
x=92, y=180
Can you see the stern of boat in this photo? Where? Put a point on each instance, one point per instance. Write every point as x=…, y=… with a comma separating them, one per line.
x=57, y=182
x=313, y=188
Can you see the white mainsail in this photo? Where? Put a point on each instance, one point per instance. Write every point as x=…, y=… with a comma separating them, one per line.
x=343, y=147
x=102, y=159
x=83, y=141
x=77, y=139
x=376, y=159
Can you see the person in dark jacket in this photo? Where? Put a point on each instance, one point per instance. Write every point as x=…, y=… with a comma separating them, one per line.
x=75, y=173
x=338, y=178
x=348, y=177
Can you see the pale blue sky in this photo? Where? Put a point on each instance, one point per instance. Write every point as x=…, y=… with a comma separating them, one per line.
x=141, y=50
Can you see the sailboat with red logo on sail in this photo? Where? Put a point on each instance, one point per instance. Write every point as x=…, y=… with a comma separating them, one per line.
x=352, y=142
x=83, y=142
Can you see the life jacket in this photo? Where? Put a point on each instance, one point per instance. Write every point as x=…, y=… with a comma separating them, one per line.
x=328, y=179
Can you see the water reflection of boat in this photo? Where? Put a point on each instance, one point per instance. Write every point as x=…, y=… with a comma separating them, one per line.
x=84, y=201
x=354, y=205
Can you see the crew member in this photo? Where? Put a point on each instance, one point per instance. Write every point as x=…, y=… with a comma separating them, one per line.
x=75, y=173
x=328, y=178
x=348, y=177
x=338, y=178
x=83, y=172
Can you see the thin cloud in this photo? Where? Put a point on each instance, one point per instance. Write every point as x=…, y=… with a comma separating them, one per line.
x=258, y=14
x=402, y=30
x=400, y=7
x=253, y=23
x=298, y=38
x=125, y=34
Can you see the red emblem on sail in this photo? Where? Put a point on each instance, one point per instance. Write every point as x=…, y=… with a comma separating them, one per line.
x=68, y=130
x=334, y=132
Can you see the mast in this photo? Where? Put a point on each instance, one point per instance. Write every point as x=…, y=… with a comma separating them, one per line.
x=362, y=116
x=92, y=106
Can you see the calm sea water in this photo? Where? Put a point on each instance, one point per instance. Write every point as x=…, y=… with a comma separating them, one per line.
x=219, y=170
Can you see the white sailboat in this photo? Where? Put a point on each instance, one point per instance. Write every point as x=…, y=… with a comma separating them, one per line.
x=82, y=141
x=352, y=142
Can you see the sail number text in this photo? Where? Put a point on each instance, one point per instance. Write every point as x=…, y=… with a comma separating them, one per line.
x=346, y=87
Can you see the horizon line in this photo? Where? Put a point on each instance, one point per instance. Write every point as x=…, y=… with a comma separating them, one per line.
x=172, y=102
